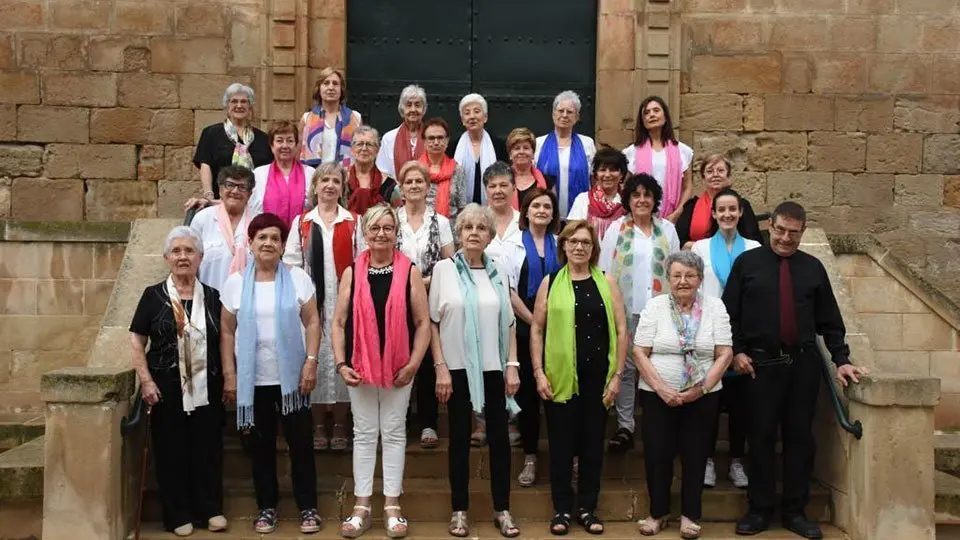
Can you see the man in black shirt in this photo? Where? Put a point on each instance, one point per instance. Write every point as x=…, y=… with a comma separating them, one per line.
x=779, y=299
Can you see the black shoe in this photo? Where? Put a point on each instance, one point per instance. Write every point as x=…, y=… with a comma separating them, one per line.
x=752, y=523
x=799, y=524
x=621, y=441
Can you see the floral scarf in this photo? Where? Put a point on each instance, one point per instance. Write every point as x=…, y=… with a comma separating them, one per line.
x=601, y=212
x=430, y=257
x=191, y=345
x=687, y=327
x=241, y=144
x=622, y=266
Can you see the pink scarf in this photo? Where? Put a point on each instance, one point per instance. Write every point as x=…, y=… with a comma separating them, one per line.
x=237, y=252
x=284, y=197
x=672, y=183
x=367, y=361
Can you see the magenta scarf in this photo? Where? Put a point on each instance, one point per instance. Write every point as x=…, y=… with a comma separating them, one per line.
x=672, y=183
x=374, y=368
x=285, y=197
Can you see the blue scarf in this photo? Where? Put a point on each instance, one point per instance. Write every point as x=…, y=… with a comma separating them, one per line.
x=536, y=271
x=291, y=353
x=549, y=164
x=721, y=259
x=473, y=363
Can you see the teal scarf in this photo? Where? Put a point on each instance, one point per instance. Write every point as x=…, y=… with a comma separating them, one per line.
x=722, y=260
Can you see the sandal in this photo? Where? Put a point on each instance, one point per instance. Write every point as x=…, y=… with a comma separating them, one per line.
x=338, y=442
x=266, y=521
x=590, y=522
x=621, y=441
x=458, y=525
x=429, y=438
x=357, y=524
x=396, y=525
x=690, y=531
x=560, y=524
x=310, y=521
x=650, y=526
x=504, y=523
x=479, y=436
x=320, y=440
x=528, y=475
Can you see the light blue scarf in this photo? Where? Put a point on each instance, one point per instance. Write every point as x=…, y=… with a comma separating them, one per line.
x=721, y=259
x=473, y=362
x=291, y=353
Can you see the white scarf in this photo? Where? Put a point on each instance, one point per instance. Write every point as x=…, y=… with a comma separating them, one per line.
x=191, y=346
x=463, y=155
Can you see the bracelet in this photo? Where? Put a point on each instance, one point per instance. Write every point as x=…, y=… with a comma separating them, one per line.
x=618, y=374
x=208, y=195
x=311, y=357
x=438, y=364
x=513, y=364
x=340, y=366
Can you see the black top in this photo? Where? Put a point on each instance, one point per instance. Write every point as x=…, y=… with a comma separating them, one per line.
x=747, y=226
x=499, y=150
x=216, y=150
x=380, y=280
x=154, y=319
x=752, y=297
x=523, y=329
x=592, y=328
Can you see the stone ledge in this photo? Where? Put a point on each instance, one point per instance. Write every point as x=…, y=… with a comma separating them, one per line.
x=65, y=231
x=87, y=385
x=21, y=471
x=895, y=390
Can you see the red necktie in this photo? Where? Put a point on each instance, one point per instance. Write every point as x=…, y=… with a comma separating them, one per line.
x=788, y=315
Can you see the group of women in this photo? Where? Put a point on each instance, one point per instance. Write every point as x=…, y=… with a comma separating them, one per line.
x=347, y=271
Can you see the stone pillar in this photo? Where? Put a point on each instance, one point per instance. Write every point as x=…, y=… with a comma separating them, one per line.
x=891, y=469
x=83, y=465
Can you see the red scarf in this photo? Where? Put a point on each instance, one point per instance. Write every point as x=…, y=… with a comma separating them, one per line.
x=360, y=198
x=342, y=243
x=442, y=179
x=538, y=181
x=700, y=222
x=401, y=148
x=373, y=367
x=602, y=212
x=284, y=197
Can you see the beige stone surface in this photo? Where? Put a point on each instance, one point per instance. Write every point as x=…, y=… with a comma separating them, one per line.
x=798, y=112
x=172, y=195
x=60, y=297
x=150, y=163
x=746, y=74
x=927, y=332
x=776, y=151
x=863, y=189
x=147, y=90
x=837, y=151
x=753, y=113
x=90, y=161
x=894, y=153
x=206, y=91
x=52, y=124
x=8, y=122
x=18, y=297
x=178, y=164
x=20, y=87
x=188, y=55
x=918, y=189
x=82, y=90
x=44, y=199
x=941, y=154
x=43, y=260
x=21, y=160
x=120, y=53
x=143, y=18
x=142, y=126
x=928, y=114
x=120, y=200
x=806, y=188
x=897, y=73
x=711, y=112
x=874, y=114
x=55, y=51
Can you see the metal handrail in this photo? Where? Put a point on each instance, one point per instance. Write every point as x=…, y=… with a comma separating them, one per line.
x=854, y=427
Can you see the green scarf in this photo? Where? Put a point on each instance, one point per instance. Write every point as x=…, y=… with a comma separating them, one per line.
x=560, y=358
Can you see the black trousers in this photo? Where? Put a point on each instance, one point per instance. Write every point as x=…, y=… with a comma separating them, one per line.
x=188, y=453
x=460, y=413
x=261, y=441
x=527, y=398
x=577, y=428
x=735, y=400
x=683, y=430
x=783, y=396
x=425, y=386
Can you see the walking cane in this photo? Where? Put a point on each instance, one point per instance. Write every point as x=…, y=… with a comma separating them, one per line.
x=143, y=474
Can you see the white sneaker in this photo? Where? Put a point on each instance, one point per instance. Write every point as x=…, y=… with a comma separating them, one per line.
x=737, y=475
x=184, y=530
x=217, y=524
x=710, y=475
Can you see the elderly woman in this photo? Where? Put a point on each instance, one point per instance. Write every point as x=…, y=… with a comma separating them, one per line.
x=271, y=334
x=718, y=254
x=447, y=178
x=498, y=182
x=424, y=236
x=601, y=205
x=380, y=334
x=223, y=227
x=632, y=251
x=366, y=185
x=404, y=143
x=526, y=177
x=474, y=353
x=696, y=219
x=324, y=242
x=329, y=126
x=476, y=150
x=181, y=379
x=232, y=142
x=539, y=222
x=578, y=345
x=283, y=186
x=656, y=151
x=682, y=347
x=564, y=156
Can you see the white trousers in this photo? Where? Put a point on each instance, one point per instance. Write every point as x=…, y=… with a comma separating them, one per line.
x=379, y=413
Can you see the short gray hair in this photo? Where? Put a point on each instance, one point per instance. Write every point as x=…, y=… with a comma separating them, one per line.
x=473, y=98
x=474, y=212
x=364, y=130
x=409, y=92
x=182, y=231
x=567, y=95
x=498, y=168
x=685, y=258
x=237, y=88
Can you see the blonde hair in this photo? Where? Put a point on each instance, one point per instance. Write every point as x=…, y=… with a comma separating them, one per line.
x=327, y=169
x=375, y=213
x=519, y=135
x=411, y=166
x=571, y=229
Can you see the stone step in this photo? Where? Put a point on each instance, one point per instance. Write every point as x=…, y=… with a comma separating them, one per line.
x=946, y=451
x=429, y=500
x=437, y=530
x=21, y=490
x=947, y=504
x=18, y=428
x=18, y=397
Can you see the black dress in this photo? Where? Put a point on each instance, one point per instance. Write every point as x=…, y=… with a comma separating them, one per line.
x=216, y=150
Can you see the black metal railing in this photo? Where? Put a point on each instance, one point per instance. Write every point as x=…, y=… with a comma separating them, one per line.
x=853, y=427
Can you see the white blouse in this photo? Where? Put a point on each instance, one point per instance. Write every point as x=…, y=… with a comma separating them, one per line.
x=261, y=174
x=642, y=258
x=447, y=310
x=658, y=163
x=215, y=266
x=563, y=156
x=657, y=330
x=414, y=244
x=503, y=245
x=711, y=284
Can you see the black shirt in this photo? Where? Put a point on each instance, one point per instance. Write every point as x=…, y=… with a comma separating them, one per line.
x=523, y=329
x=592, y=327
x=380, y=280
x=154, y=319
x=216, y=150
x=752, y=297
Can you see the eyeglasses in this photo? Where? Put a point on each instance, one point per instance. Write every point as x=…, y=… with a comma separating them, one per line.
x=230, y=186
x=364, y=144
x=782, y=231
x=385, y=229
x=716, y=170
x=239, y=101
x=436, y=138
x=574, y=242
